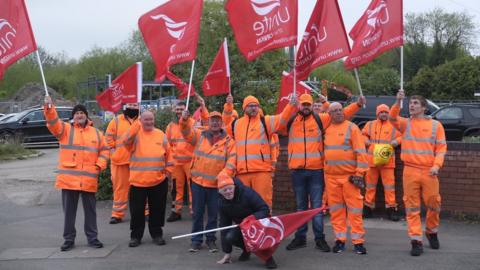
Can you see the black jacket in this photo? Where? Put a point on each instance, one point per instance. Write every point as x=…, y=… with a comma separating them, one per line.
x=245, y=202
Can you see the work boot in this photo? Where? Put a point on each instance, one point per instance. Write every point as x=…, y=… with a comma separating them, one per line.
x=95, y=244
x=417, y=248
x=367, y=212
x=174, y=217
x=433, y=240
x=296, y=244
x=67, y=245
x=322, y=245
x=195, y=246
x=359, y=249
x=115, y=220
x=339, y=246
x=212, y=247
x=392, y=213
x=245, y=256
x=159, y=241
x=134, y=242
x=270, y=263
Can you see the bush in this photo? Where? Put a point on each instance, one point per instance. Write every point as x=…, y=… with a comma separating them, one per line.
x=105, y=191
x=13, y=150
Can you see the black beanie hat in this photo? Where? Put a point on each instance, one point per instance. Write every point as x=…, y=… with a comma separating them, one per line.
x=79, y=107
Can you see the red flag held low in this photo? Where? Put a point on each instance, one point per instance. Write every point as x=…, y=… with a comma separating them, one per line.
x=217, y=80
x=126, y=88
x=324, y=40
x=379, y=29
x=286, y=88
x=263, y=236
x=263, y=25
x=16, y=36
x=171, y=33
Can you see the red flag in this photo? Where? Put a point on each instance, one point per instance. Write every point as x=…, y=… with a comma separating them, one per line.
x=263, y=25
x=16, y=36
x=286, y=88
x=182, y=86
x=217, y=80
x=263, y=236
x=324, y=40
x=379, y=29
x=126, y=88
x=171, y=33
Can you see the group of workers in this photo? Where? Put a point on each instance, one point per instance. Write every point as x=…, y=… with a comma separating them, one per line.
x=226, y=163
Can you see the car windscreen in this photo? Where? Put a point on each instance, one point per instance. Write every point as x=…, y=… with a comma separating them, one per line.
x=16, y=117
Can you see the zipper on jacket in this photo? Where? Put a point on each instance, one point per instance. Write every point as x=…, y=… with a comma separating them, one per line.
x=304, y=143
x=246, y=138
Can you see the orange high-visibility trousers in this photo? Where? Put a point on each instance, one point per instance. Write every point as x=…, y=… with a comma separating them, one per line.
x=120, y=186
x=345, y=202
x=181, y=176
x=418, y=183
x=388, y=181
x=261, y=182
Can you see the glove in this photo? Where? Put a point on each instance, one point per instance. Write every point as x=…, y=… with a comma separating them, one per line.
x=357, y=181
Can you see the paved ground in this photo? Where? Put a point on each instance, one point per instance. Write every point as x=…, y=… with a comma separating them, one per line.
x=30, y=236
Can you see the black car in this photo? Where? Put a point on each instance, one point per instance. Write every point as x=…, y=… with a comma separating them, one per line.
x=459, y=120
x=29, y=127
x=369, y=112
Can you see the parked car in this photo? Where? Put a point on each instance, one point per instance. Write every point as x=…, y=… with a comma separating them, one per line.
x=5, y=117
x=29, y=127
x=459, y=120
x=369, y=112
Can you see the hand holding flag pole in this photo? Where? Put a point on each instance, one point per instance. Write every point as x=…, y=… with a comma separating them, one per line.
x=401, y=73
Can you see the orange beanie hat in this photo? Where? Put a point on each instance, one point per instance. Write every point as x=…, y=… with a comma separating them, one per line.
x=248, y=100
x=382, y=108
x=223, y=180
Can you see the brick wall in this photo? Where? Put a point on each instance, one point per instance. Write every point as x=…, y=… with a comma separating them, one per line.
x=459, y=182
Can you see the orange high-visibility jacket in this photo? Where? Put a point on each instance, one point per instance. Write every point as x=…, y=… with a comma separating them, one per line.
x=252, y=145
x=423, y=141
x=150, y=156
x=305, y=142
x=380, y=132
x=209, y=158
x=83, y=153
x=113, y=135
x=182, y=151
x=275, y=149
x=345, y=152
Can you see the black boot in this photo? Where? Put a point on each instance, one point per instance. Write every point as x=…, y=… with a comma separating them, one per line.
x=367, y=212
x=67, y=245
x=417, y=248
x=174, y=217
x=115, y=220
x=245, y=256
x=270, y=263
x=296, y=244
x=433, y=240
x=393, y=214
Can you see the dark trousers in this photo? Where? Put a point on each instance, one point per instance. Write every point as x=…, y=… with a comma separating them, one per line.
x=70, y=203
x=233, y=237
x=201, y=197
x=157, y=200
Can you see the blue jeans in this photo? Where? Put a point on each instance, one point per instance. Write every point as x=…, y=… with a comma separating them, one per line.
x=201, y=197
x=309, y=184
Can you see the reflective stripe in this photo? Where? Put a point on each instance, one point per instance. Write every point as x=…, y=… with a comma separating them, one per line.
x=228, y=112
x=355, y=210
x=109, y=134
x=434, y=209
x=79, y=173
x=174, y=140
x=335, y=207
x=394, y=133
x=308, y=155
x=202, y=154
x=78, y=147
x=341, y=235
x=371, y=205
x=360, y=151
x=242, y=157
x=120, y=203
x=341, y=162
x=306, y=139
x=432, y=230
x=230, y=166
x=389, y=187
x=416, y=237
x=170, y=164
x=272, y=123
x=72, y=132
x=348, y=134
x=104, y=148
x=390, y=205
x=408, y=134
x=203, y=175
x=148, y=168
x=247, y=142
x=104, y=157
x=356, y=236
x=441, y=142
x=410, y=210
x=417, y=152
x=119, y=209
x=380, y=141
x=362, y=165
x=338, y=147
x=182, y=157
x=140, y=159
x=371, y=186
x=53, y=122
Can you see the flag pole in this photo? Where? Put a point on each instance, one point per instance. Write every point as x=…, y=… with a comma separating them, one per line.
x=294, y=70
x=207, y=231
x=41, y=71
x=227, y=64
x=358, y=83
x=401, y=73
x=190, y=84
x=139, y=82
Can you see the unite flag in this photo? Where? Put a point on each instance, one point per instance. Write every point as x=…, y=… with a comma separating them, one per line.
x=286, y=89
x=217, y=80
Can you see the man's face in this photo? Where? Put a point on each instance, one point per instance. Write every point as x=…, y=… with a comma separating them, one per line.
x=336, y=113
x=215, y=123
x=179, y=109
x=317, y=107
x=132, y=106
x=306, y=108
x=252, y=109
x=80, y=118
x=227, y=192
x=383, y=116
x=148, y=121
x=415, y=107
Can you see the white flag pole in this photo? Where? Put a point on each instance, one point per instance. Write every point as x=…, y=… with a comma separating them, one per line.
x=190, y=84
x=295, y=70
x=139, y=81
x=207, y=231
x=41, y=71
x=401, y=73
x=227, y=64
x=358, y=83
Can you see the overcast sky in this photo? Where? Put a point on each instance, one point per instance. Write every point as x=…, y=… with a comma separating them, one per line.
x=75, y=26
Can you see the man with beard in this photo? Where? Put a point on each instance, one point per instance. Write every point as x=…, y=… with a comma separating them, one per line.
x=305, y=160
x=120, y=158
